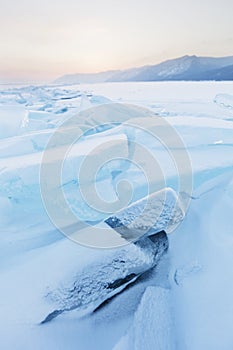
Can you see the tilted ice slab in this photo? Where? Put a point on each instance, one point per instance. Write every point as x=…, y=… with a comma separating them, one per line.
x=98, y=282
x=159, y=211
x=38, y=120
x=11, y=118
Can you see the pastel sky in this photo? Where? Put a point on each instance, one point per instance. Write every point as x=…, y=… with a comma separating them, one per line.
x=43, y=39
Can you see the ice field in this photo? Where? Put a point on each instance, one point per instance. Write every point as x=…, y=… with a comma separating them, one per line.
x=169, y=292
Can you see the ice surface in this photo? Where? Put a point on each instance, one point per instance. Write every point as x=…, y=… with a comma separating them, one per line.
x=36, y=258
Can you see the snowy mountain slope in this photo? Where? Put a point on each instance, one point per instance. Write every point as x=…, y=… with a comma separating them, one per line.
x=183, y=68
x=224, y=73
x=85, y=78
x=192, y=68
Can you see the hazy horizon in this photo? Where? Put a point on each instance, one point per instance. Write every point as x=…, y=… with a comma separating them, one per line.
x=41, y=41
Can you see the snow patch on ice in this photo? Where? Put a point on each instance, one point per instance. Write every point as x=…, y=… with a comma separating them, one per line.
x=152, y=326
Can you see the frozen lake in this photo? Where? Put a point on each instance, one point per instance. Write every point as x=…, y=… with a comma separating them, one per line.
x=189, y=291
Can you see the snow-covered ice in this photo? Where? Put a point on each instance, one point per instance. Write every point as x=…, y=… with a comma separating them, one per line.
x=152, y=326
x=100, y=281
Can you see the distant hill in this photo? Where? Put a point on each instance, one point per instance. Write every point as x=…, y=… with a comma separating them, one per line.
x=188, y=68
x=86, y=78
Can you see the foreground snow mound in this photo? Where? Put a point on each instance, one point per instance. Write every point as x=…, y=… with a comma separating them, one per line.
x=203, y=274
x=152, y=326
x=99, y=282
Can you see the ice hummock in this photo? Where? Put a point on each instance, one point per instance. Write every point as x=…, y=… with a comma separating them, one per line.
x=98, y=282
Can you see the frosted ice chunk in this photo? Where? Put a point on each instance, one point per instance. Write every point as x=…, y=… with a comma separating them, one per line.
x=159, y=211
x=224, y=100
x=100, y=281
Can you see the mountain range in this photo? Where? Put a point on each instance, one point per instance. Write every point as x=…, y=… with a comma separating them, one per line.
x=186, y=68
